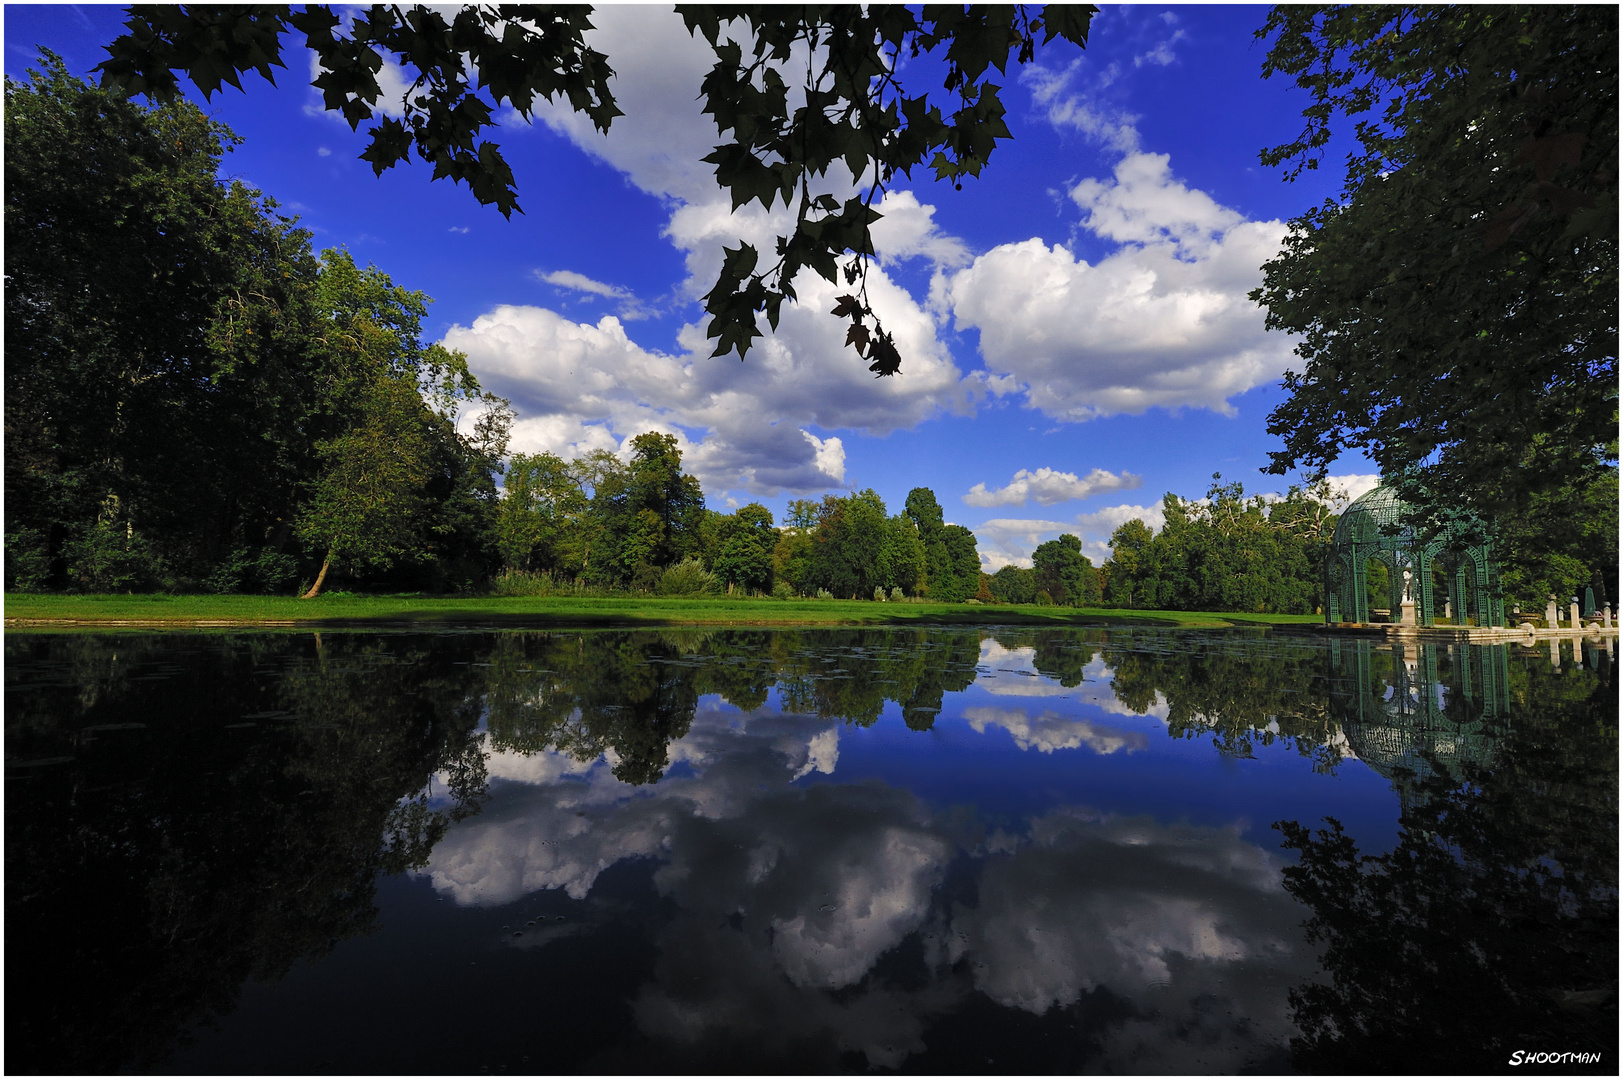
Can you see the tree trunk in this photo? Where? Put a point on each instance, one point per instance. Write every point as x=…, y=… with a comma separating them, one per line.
x=321, y=577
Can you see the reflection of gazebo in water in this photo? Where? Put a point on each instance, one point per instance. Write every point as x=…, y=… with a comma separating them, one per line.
x=1371, y=532
x=1418, y=707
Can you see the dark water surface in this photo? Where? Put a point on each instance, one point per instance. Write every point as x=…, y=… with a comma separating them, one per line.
x=936, y=850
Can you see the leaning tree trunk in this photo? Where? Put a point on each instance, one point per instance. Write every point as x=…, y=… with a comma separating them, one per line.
x=321, y=577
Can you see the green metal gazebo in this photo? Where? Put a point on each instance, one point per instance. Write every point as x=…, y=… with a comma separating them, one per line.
x=1373, y=527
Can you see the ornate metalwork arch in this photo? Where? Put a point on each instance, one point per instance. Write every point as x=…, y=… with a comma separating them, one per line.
x=1374, y=527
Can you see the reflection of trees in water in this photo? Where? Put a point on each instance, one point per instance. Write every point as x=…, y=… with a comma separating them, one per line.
x=1060, y=655
x=219, y=819
x=585, y=694
x=1227, y=687
x=633, y=692
x=851, y=674
x=1492, y=926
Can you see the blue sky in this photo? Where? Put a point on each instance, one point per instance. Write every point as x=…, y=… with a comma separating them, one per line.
x=1075, y=330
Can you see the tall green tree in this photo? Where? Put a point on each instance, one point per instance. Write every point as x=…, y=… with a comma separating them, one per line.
x=1126, y=566
x=541, y=499
x=849, y=544
x=960, y=576
x=369, y=508
x=901, y=556
x=747, y=542
x=650, y=513
x=792, y=556
x=157, y=370
x=395, y=461
x=190, y=392
x=1456, y=304
x=951, y=564
x=1064, y=573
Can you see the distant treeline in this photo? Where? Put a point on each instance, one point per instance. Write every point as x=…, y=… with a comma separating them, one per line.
x=1225, y=552
x=598, y=521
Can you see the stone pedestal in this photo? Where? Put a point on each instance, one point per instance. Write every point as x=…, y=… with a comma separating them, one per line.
x=1606, y=616
x=1406, y=616
x=1576, y=624
x=1551, y=618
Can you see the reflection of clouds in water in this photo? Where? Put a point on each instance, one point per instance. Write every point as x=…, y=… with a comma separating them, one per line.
x=822, y=753
x=558, y=836
x=781, y=893
x=543, y=767
x=995, y=656
x=1014, y=674
x=1050, y=731
x=574, y=819
x=715, y=982
x=802, y=892
x=821, y=881
x=828, y=877
x=1186, y=921
x=1099, y=690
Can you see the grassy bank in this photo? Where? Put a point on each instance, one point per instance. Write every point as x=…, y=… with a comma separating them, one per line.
x=23, y=610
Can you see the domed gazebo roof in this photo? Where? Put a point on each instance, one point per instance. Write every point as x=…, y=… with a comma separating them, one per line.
x=1377, y=514
x=1373, y=527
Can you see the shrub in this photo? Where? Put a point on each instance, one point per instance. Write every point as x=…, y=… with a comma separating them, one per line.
x=113, y=558
x=645, y=577
x=519, y=583
x=28, y=561
x=896, y=596
x=824, y=594
x=879, y=593
x=783, y=591
x=686, y=578
x=254, y=571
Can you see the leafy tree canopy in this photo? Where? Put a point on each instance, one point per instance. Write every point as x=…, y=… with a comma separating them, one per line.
x=850, y=124
x=1457, y=305
x=188, y=386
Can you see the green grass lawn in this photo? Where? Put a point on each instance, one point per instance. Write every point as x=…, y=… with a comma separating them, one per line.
x=26, y=609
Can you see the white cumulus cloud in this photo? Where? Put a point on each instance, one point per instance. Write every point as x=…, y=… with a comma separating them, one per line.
x=1047, y=487
x=1162, y=322
x=577, y=386
x=764, y=425
x=1352, y=485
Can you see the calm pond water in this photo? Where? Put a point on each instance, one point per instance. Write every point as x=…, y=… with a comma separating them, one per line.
x=923, y=850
